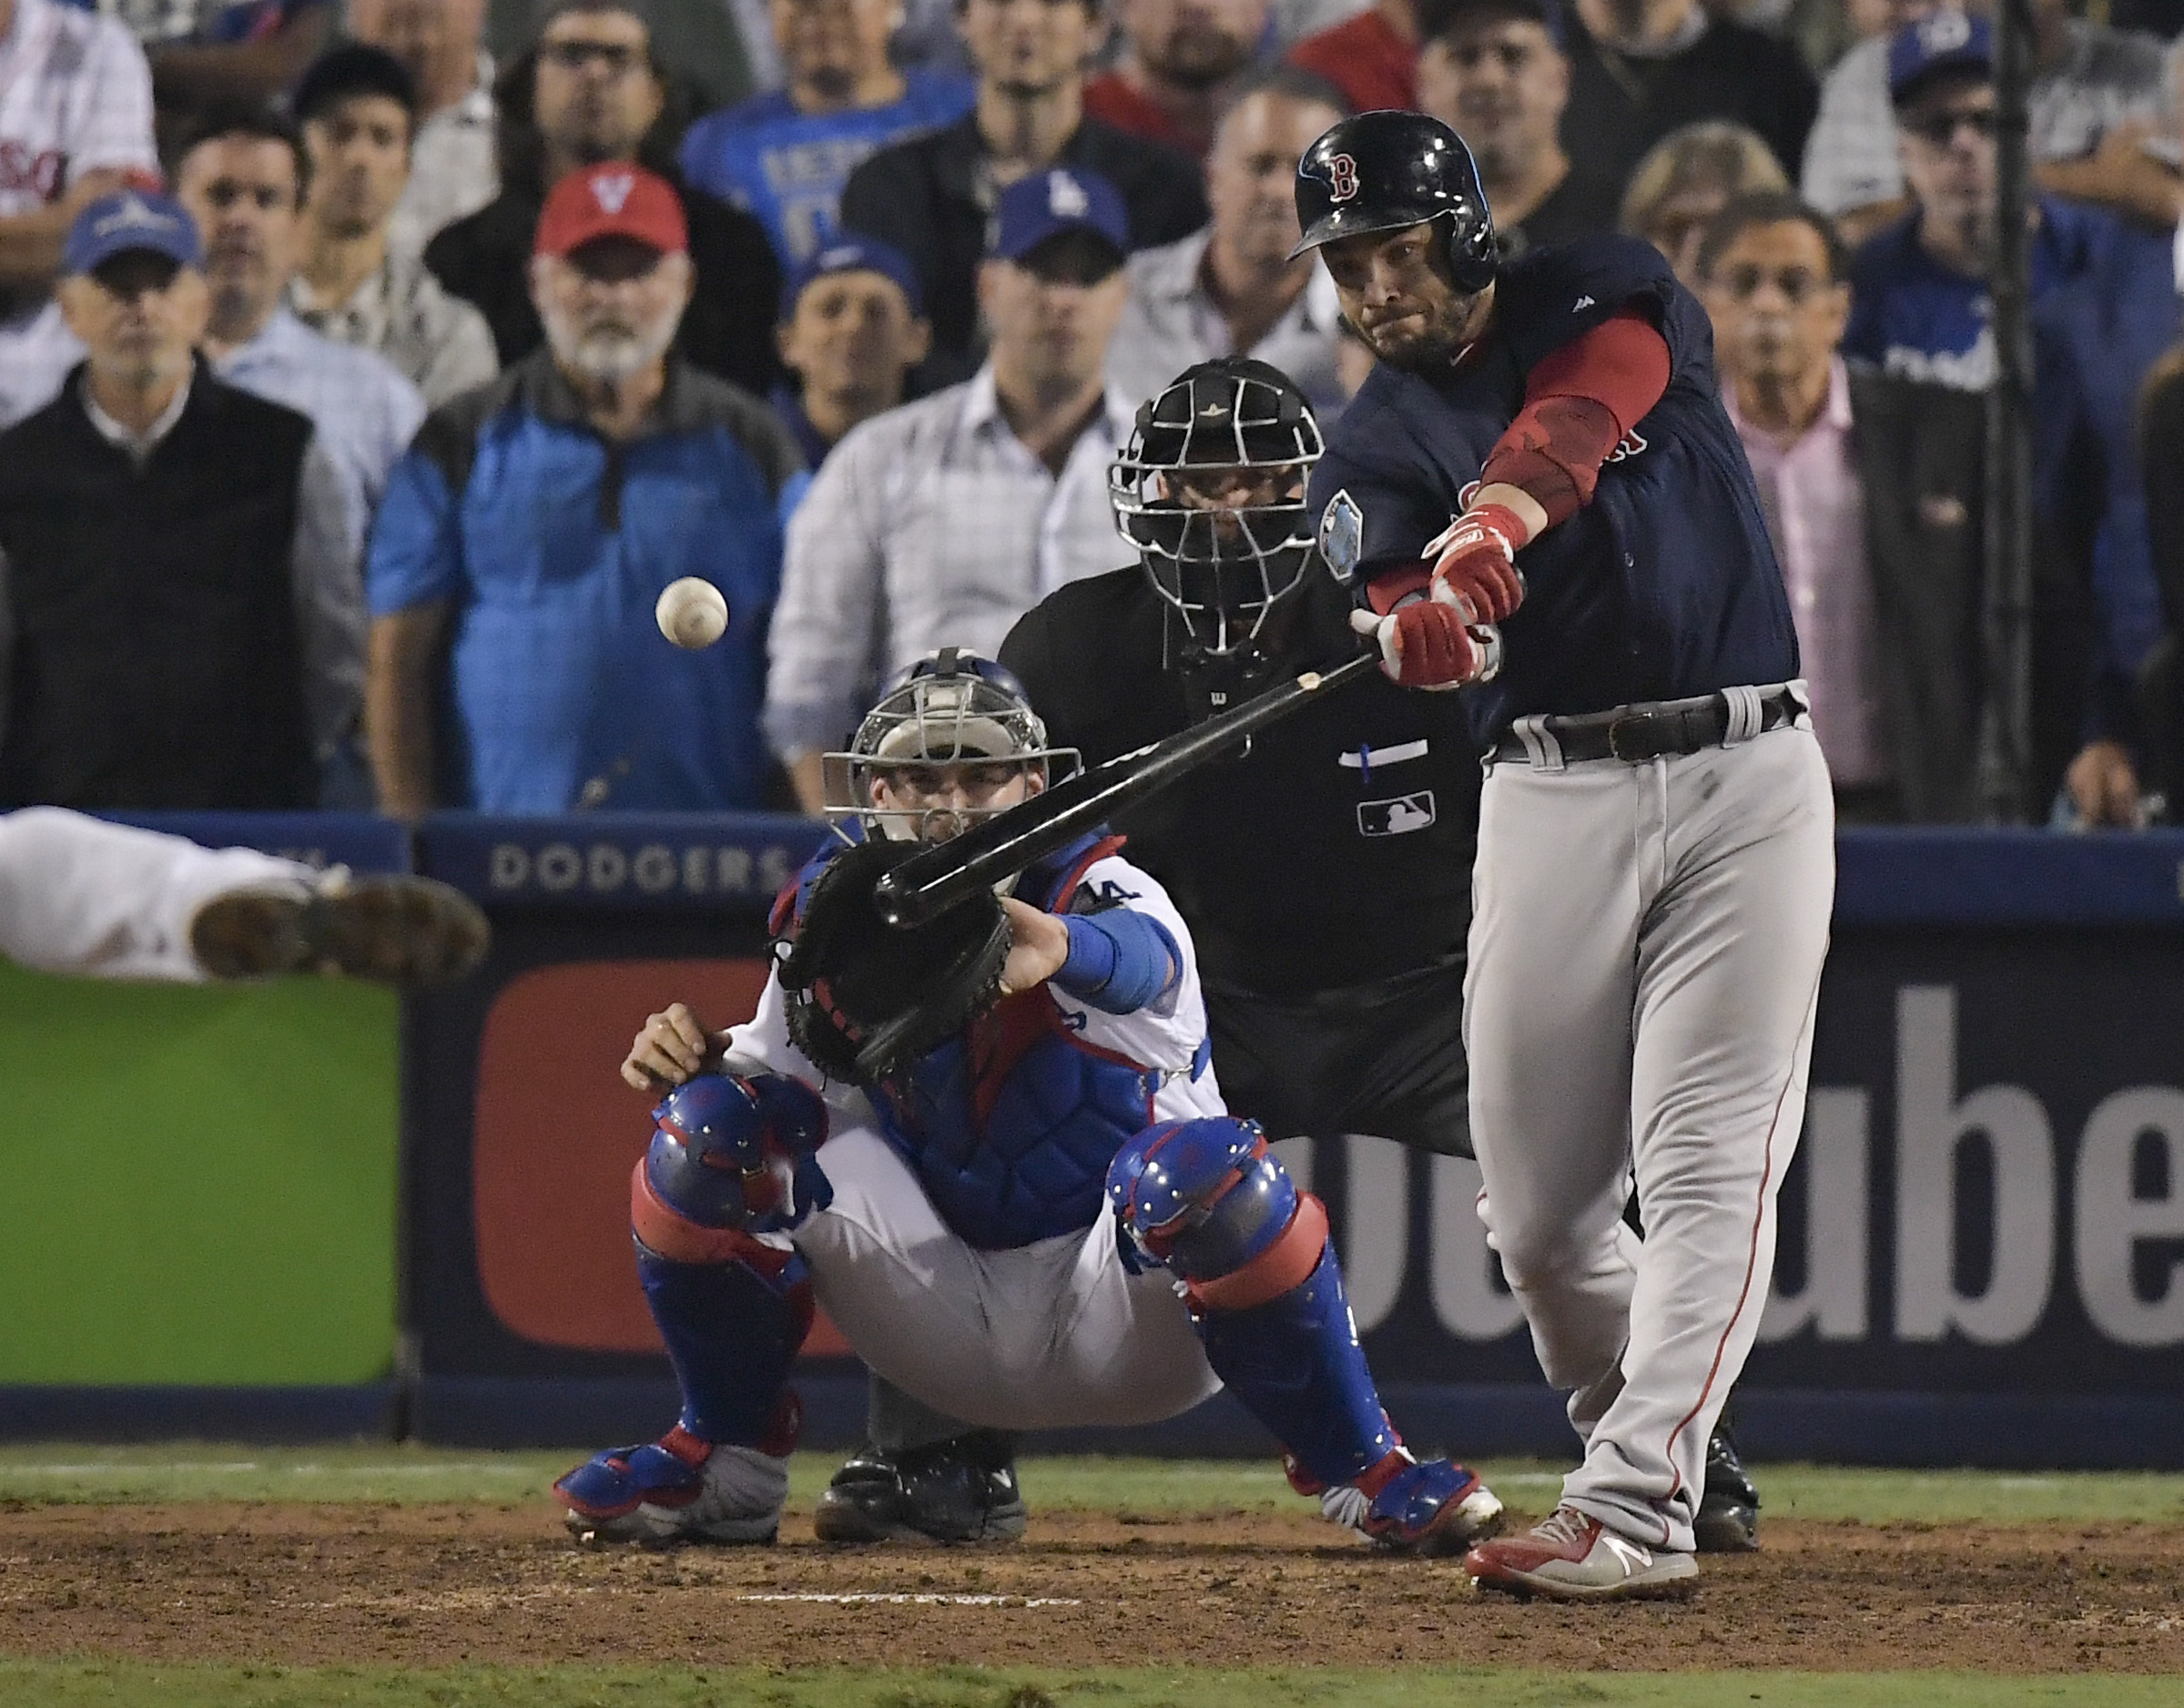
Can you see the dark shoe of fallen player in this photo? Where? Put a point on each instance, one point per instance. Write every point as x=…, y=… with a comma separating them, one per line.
x=393, y=929
x=1728, y=1520
x=959, y=1491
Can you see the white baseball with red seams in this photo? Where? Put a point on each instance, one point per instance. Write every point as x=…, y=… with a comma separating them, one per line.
x=692, y=612
x=1645, y=955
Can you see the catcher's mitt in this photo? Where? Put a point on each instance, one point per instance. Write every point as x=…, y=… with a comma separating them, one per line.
x=864, y=999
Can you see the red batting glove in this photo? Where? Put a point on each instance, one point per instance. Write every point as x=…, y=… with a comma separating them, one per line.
x=1422, y=645
x=1475, y=568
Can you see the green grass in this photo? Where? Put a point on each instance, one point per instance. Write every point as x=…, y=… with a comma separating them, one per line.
x=376, y=1472
x=104, y=1684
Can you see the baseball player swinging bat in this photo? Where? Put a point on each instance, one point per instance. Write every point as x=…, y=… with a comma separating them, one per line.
x=923, y=887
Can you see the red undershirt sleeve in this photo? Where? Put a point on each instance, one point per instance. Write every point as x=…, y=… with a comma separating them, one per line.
x=1578, y=403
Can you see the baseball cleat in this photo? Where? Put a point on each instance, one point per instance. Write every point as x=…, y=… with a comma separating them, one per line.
x=1404, y=1507
x=394, y=930
x=676, y=1489
x=1728, y=1520
x=1570, y=1557
x=962, y=1489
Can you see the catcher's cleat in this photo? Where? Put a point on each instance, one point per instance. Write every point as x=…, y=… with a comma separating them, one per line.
x=394, y=930
x=963, y=1489
x=1406, y=1507
x=1570, y=1557
x=1728, y=1520
x=676, y=1489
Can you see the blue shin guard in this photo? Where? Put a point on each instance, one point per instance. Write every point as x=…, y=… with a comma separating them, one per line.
x=1208, y=1199
x=732, y=1333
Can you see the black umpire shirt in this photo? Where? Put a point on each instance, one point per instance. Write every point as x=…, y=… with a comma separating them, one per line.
x=1335, y=853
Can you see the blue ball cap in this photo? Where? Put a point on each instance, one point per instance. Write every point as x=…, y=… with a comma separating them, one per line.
x=849, y=254
x=130, y=219
x=1047, y=204
x=1944, y=41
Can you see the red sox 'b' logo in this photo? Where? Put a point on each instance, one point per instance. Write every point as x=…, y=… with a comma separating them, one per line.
x=1342, y=177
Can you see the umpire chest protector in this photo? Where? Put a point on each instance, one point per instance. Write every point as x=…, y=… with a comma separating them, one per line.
x=1011, y=1126
x=156, y=661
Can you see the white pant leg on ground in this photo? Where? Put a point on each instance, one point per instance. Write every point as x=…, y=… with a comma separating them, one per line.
x=79, y=895
x=1715, y=877
x=1050, y=1334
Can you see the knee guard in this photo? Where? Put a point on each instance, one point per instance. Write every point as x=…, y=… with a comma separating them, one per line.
x=733, y=1310
x=1209, y=1200
x=729, y=1157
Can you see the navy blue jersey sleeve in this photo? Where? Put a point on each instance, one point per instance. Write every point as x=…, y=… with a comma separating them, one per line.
x=1554, y=295
x=1379, y=496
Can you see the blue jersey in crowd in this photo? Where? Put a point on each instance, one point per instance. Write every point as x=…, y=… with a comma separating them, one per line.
x=550, y=548
x=1913, y=318
x=1664, y=587
x=787, y=168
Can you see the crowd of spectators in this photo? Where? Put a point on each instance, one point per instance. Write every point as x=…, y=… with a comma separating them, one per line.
x=366, y=371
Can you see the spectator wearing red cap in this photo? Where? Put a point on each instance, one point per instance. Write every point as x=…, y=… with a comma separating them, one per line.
x=590, y=92
x=515, y=665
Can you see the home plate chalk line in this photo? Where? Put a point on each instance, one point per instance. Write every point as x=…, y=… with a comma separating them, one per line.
x=897, y=1599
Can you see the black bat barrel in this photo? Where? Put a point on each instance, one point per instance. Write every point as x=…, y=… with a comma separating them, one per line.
x=927, y=885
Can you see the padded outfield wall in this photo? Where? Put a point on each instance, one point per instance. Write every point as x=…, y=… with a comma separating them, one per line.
x=1983, y=1242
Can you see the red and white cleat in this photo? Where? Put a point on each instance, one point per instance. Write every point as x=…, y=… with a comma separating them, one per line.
x=1570, y=1557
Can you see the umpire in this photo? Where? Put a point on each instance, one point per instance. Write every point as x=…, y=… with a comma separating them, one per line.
x=1324, y=871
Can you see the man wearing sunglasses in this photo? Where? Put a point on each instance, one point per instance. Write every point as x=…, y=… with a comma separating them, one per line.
x=1919, y=290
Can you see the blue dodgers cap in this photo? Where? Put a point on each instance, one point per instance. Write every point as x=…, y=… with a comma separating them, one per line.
x=1945, y=41
x=1059, y=200
x=130, y=219
x=849, y=254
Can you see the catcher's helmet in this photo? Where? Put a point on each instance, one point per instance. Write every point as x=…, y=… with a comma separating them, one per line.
x=949, y=708
x=1382, y=171
x=1220, y=567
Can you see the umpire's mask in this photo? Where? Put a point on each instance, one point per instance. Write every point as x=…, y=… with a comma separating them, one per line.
x=1210, y=491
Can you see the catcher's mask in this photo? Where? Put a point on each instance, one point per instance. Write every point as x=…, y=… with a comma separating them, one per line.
x=1210, y=491
x=948, y=736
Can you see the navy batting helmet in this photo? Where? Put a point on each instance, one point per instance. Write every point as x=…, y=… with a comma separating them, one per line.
x=1382, y=171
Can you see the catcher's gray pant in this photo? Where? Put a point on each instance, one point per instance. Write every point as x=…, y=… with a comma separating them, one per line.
x=1646, y=948
x=1045, y=1336
x=78, y=895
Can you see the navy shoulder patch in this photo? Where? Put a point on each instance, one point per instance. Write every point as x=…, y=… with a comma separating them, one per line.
x=1342, y=535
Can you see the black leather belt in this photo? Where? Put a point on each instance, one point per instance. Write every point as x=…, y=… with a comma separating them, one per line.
x=1655, y=730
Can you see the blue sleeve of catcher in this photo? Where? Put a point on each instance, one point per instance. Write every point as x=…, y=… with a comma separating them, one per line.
x=1119, y=961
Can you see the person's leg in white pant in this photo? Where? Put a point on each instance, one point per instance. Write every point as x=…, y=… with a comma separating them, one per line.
x=1058, y=1333
x=1728, y=978
x=79, y=895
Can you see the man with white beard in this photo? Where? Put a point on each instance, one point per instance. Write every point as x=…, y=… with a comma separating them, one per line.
x=516, y=664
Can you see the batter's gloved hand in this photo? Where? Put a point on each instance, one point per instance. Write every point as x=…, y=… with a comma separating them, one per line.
x=1422, y=644
x=1475, y=564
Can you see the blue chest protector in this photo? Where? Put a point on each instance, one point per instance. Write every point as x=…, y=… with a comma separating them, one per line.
x=1011, y=1126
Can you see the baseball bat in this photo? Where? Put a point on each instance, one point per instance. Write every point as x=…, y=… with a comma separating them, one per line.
x=927, y=885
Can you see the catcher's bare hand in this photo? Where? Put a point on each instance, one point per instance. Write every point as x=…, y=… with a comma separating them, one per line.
x=1039, y=942
x=672, y=1046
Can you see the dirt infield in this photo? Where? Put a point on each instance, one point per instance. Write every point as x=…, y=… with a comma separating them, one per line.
x=438, y=1584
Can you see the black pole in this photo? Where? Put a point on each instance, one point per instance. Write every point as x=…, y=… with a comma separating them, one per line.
x=2006, y=734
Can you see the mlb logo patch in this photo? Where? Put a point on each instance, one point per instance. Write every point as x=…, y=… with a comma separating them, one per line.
x=1398, y=816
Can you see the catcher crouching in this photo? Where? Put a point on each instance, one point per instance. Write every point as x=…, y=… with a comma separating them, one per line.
x=997, y=1156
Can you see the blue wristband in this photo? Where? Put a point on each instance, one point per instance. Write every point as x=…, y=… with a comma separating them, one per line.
x=1118, y=961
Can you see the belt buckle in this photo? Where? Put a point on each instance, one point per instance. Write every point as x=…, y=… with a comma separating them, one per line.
x=1633, y=720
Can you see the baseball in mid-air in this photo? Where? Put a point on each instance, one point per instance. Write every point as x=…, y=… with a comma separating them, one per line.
x=692, y=612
